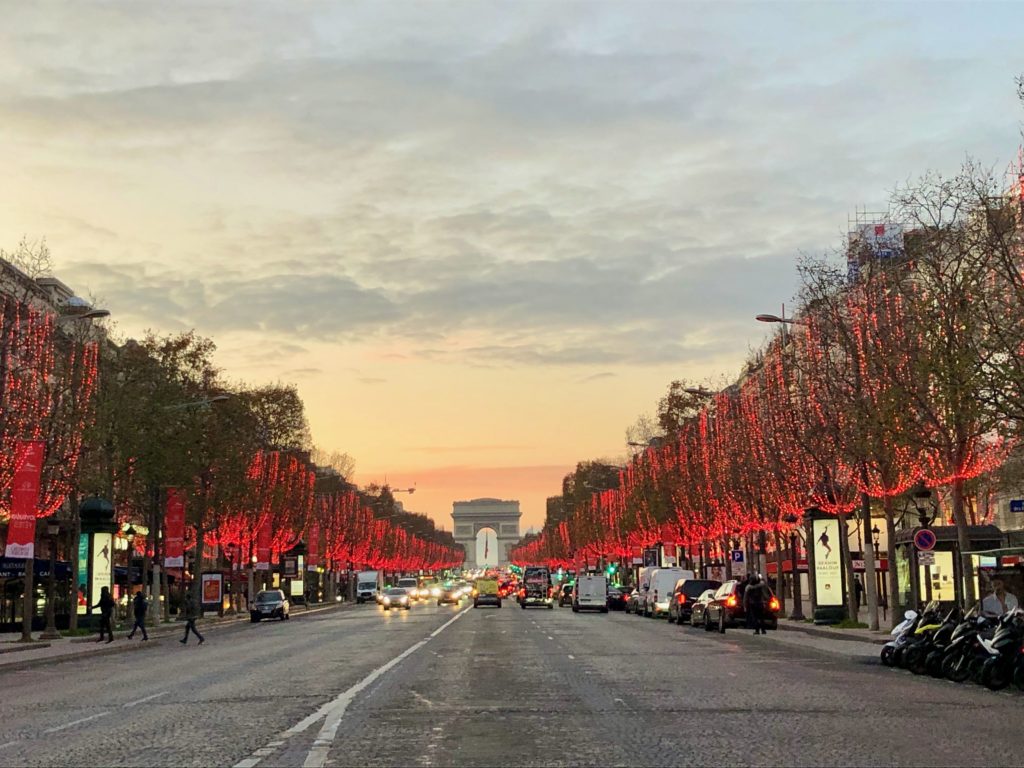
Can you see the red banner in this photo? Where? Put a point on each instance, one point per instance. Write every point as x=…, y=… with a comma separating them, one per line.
x=263, y=542
x=21, y=532
x=313, y=547
x=174, y=530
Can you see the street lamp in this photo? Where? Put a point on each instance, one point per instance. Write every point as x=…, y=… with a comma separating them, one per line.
x=875, y=536
x=798, y=605
x=922, y=501
x=51, y=633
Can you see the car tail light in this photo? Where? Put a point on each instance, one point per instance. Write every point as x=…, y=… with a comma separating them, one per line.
x=682, y=598
x=774, y=603
x=731, y=601
x=522, y=593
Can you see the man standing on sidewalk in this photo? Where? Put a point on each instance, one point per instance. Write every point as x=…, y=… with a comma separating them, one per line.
x=754, y=598
x=106, y=606
x=139, y=609
x=191, y=611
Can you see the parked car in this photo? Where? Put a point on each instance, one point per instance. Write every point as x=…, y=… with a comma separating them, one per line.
x=726, y=609
x=617, y=598
x=700, y=606
x=659, y=593
x=270, y=604
x=397, y=597
x=683, y=596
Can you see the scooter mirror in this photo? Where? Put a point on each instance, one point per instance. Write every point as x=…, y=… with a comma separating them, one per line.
x=909, y=615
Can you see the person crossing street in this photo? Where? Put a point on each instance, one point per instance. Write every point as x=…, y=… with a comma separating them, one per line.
x=191, y=613
x=139, y=610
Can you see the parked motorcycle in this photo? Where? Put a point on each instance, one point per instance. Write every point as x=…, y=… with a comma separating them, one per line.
x=965, y=654
x=901, y=635
x=1003, y=664
x=930, y=641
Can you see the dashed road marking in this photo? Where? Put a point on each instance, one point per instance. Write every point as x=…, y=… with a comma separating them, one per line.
x=334, y=710
x=9, y=744
x=572, y=657
x=550, y=637
x=76, y=722
x=147, y=698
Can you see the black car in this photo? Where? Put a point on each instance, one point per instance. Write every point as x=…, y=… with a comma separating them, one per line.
x=726, y=609
x=269, y=604
x=617, y=597
x=685, y=595
x=565, y=595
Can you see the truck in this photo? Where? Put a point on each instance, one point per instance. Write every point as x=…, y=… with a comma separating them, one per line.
x=590, y=591
x=536, y=588
x=368, y=585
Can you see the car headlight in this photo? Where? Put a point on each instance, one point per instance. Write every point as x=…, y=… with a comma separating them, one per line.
x=387, y=600
x=435, y=592
x=405, y=599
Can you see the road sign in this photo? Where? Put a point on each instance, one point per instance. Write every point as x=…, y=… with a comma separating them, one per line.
x=926, y=558
x=924, y=539
x=1017, y=505
x=737, y=555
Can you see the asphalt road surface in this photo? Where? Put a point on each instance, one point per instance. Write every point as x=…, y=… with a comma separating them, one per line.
x=462, y=687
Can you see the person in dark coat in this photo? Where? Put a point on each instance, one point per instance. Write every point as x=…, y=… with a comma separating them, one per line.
x=191, y=613
x=139, y=609
x=755, y=597
x=106, y=605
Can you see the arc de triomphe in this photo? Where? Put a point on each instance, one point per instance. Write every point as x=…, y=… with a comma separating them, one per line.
x=470, y=517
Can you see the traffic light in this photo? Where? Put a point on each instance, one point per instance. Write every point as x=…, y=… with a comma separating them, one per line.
x=612, y=568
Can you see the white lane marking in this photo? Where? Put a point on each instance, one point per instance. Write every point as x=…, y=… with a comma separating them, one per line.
x=147, y=698
x=76, y=722
x=572, y=657
x=9, y=744
x=550, y=637
x=317, y=756
x=341, y=701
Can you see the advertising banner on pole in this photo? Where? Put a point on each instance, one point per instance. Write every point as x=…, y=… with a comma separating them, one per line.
x=263, y=541
x=174, y=527
x=21, y=531
x=102, y=565
x=313, y=547
x=213, y=589
x=83, y=573
x=828, y=568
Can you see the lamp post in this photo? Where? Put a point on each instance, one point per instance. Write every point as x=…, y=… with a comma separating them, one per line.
x=51, y=633
x=794, y=563
x=875, y=539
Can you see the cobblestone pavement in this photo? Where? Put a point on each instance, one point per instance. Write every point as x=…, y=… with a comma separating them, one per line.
x=462, y=687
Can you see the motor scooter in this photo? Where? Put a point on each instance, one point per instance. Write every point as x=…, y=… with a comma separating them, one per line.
x=901, y=635
x=930, y=642
x=965, y=654
x=1005, y=651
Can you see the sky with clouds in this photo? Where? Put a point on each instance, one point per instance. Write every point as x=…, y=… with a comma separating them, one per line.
x=482, y=238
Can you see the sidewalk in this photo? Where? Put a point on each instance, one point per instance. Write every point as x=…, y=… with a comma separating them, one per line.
x=15, y=655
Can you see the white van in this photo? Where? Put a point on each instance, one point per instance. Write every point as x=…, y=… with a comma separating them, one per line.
x=590, y=591
x=642, y=584
x=368, y=586
x=659, y=594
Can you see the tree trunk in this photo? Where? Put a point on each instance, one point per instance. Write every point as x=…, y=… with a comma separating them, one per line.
x=780, y=582
x=895, y=604
x=870, y=591
x=964, y=541
x=844, y=551
x=76, y=535
x=29, y=605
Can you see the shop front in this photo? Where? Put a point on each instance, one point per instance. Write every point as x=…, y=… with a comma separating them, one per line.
x=12, y=590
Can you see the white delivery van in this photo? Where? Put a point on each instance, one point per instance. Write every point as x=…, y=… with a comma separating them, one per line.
x=590, y=591
x=642, y=584
x=367, y=585
x=659, y=594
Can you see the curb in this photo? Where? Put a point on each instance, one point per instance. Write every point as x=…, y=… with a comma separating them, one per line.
x=831, y=634
x=25, y=646
x=832, y=652
x=154, y=640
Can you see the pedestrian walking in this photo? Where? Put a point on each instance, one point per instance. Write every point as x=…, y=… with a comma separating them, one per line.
x=191, y=611
x=106, y=605
x=139, y=609
x=754, y=598
x=858, y=587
